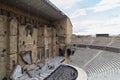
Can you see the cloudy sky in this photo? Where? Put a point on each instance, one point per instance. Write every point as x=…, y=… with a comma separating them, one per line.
x=92, y=16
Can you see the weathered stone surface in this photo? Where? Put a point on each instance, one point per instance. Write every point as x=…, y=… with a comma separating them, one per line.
x=40, y=65
x=3, y=46
x=13, y=48
x=24, y=77
x=42, y=41
x=34, y=54
x=13, y=27
x=2, y=69
x=27, y=57
x=2, y=38
x=13, y=36
x=13, y=61
x=3, y=23
x=40, y=54
x=17, y=72
x=28, y=42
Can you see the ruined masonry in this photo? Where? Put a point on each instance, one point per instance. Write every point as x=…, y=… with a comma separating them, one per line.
x=28, y=36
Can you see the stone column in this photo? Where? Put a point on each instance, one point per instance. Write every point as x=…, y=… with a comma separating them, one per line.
x=46, y=41
x=40, y=44
x=13, y=44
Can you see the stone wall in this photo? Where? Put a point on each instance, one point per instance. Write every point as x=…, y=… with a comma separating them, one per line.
x=40, y=44
x=45, y=42
x=28, y=41
x=69, y=31
x=16, y=39
x=21, y=33
x=3, y=46
x=63, y=34
x=12, y=54
x=54, y=42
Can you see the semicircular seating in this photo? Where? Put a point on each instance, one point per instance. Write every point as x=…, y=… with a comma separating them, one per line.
x=99, y=64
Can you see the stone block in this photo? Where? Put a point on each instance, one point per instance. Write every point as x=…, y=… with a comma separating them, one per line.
x=39, y=52
x=13, y=48
x=3, y=18
x=2, y=38
x=13, y=27
x=13, y=39
x=28, y=47
x=2, y=69
x=35, y=32
x=21, y=47
x=40, y=31
x=3, y=28
x=13, y=62
x=34, y=54
x=22, y=32
x=27, y=57
x=20, y=61
x=13, y=44
x=2, y=54
x=40, y=42
x=24, y=77
x=17, y=72
x=3, y=45
x=2, y=73
x=28, y=43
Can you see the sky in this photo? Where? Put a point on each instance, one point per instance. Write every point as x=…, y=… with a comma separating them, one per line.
x=90, y=17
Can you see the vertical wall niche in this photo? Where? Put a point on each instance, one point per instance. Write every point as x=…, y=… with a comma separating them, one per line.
x=50, y=42
x=40, y=45
x=54, y=40
x=45, y=37
x=28, y=41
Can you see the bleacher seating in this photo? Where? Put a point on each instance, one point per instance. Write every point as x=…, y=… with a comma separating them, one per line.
x=99, y=63
x=116, y=44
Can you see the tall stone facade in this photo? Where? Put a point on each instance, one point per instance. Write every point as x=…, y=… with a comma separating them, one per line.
x=22, y=34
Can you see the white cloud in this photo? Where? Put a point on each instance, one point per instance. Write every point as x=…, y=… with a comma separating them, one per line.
x=64, y=4
x=93, y=26
x=78, y=13
x=106, y=5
